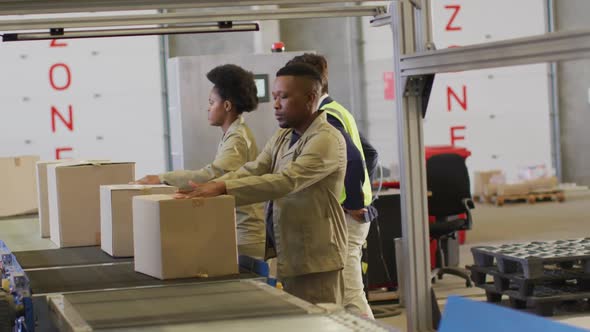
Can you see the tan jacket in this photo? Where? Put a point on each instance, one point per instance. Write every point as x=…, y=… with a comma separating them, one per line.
x=305, y=182
x=236, y=148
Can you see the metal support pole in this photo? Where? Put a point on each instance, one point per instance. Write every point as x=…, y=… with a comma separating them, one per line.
x=164, y=55
x=423, y=26
x=413, y=173
x=399, y=260
x=553, y=95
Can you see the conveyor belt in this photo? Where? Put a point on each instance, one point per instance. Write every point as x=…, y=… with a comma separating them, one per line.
x=337, y=322
x=163, y=306
x=76, y=279
x=232, y=306
x=65, y=257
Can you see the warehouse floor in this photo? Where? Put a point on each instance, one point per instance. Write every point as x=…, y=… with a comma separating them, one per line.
x=515, y=222
x=512, y=223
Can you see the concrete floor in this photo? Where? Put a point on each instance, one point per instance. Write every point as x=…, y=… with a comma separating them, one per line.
x=516, y=222
x=513, y=223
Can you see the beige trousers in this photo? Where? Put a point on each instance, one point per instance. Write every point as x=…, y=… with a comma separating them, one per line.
x=255, y=250
x=354, y=295
x=323, y=287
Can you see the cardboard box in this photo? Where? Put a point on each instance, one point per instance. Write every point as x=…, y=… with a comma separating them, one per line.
x=490, y=189
x=481, y=180
x=19, y=185
x=546, y=183
x=508, y=189
x=116, y=215
x=182, y=238
x=74, y=199
x=42, y=199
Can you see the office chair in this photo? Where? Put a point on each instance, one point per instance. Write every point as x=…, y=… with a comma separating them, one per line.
x=449, y=206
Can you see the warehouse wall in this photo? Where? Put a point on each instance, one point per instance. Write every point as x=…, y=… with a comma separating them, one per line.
x=205, y=44
x=382, y=120
x=342, y=41
x=225, y=43
x=297, y=34
x=82, y=98
x=364, y=96
x=358, y=56
x=574, y=106
x=332, y=41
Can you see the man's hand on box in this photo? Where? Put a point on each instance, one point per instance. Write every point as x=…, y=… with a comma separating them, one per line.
x=148, y=179
x=210, y=189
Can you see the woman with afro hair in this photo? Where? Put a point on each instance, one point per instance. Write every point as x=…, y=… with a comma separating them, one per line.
x=234, y=92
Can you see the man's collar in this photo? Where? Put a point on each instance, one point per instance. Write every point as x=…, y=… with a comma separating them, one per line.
x=324, y=100
x=320, y=117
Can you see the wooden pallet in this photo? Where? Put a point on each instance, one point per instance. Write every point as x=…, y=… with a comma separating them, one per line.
x=531, y=198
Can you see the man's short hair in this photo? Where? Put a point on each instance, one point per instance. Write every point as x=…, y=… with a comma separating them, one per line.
x=318, y=62
x=301, y=70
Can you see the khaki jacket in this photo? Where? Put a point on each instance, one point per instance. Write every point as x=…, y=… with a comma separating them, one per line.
x=305, y=182
x=236, y=148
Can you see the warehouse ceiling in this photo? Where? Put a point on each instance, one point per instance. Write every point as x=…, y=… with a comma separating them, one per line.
x=19, y=7
x=170, y=15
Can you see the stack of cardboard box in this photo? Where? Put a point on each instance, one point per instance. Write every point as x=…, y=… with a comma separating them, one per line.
x=18, y=194
x=43, y=200
x=481, y=183
x=91, y=203
x=493, y=183
x=116, y=215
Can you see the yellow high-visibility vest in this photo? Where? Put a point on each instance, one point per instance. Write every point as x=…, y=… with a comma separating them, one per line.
x=343, y=115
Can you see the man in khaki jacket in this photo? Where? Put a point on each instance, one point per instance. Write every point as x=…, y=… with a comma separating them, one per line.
x=301, y=172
